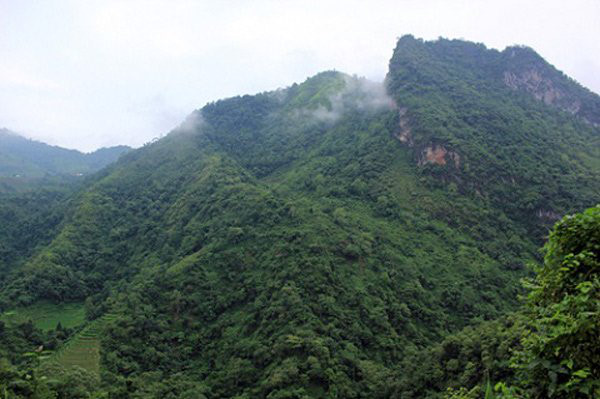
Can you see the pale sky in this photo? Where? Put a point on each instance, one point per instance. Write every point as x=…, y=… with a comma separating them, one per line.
x=86, y=74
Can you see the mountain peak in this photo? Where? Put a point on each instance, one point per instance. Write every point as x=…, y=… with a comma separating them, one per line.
x=527, y=71
x=305, y=242
x=519, y=68
x=523, y=53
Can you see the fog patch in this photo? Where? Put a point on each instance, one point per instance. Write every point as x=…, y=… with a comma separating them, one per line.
x=367, y=95
x=324, y=114
x=193, y=124
x=358, y=95
x=279, y=95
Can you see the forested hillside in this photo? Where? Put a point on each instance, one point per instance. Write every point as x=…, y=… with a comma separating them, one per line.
x=319, y=240
x=24, y=163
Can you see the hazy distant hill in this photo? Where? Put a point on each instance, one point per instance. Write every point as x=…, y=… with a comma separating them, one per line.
x=25, y=158
x=305, y=242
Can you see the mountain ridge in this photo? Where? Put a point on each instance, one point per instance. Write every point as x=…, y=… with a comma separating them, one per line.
x=520, y=68
x=307, y=241
x=22, y=157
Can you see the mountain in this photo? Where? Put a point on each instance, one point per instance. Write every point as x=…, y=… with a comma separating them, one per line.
x=305, y=242
x=27, y=159
x=35, y=181
x=502, y=142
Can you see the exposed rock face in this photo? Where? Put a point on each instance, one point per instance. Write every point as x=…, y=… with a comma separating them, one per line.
x=434, y=153
x=404, y=134
x=543, y=88
x=540, y=87
x=439, y=155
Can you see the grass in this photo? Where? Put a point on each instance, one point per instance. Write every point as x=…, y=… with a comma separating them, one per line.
x=83, y=350
x=46, y=316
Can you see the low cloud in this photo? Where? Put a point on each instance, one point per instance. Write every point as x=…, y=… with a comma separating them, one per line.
x=358, y=94
x=192, y=124
x=369, y=95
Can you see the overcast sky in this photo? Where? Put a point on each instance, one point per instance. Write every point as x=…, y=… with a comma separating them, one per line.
x=87, y=74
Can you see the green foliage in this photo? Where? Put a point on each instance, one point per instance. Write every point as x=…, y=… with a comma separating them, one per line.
x=24, y=159
x=29, y=221
x=557, y=356
x=463, y=364
x=83, y=349
x=530, y=160
x=288, y=245
x=47, y=316
x=35, y=383
x=560, y=355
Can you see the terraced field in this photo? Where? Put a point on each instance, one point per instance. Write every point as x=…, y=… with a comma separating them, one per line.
x=83, y=349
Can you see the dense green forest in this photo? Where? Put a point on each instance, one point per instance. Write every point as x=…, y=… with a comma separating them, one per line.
x=338, y=238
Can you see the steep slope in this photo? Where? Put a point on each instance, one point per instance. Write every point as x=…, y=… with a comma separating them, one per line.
x=525, y=70
x=300, y=243
x=467, y=126
x=30, y=220
x=36, y=181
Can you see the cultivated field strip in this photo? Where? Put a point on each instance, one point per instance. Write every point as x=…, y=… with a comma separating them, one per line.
x=83, y=349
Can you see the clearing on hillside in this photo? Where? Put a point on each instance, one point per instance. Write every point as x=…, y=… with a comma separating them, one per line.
x=46, y=315
x=83, y=350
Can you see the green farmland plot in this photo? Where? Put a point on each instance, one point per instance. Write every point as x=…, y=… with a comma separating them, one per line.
x=83, y=350
x=46, y=316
